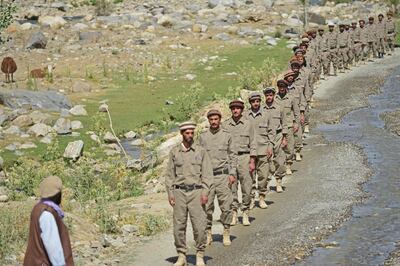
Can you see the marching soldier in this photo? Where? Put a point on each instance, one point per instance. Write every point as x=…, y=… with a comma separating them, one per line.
x=292, y=111
x=357, y=45
x=381, y=35
x=343, y=43
x=279, y=130
x=363, y=31
x=188, y=181
x=324, y=52
x=371, y=48
x=350, y=53
x=263, y=149
x=243, y=137
x=218, y=144
x=391, y=32
x=332, y=40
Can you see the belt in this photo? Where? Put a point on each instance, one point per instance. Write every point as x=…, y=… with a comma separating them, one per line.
x=333, y=48
x=188, y=187
x=243, y=152
x=390, y=32
x=279, y=131
x=343, y=46
x=356, y=42
x=221, y=172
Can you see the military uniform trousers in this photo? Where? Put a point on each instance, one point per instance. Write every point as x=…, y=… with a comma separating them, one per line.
x=246, y=183
x=370, y=50
x=220, y=189
x=381, y=45
x=261, y=177
x=187, y=203
x=358, y=51
x=343, y=57
x=390, y=41
x=298, y=139
x=278, y=167
x=289, y=149
x=332, y=58
x=350, y=55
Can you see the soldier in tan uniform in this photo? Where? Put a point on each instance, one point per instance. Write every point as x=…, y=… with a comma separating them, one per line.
x=332, y=41
x=371, y=48
x=188, y=181
x=381, y=33
x=343, y=43
x=363, y=31
x=391, y=32
x=350, y=51
x=292, y=112
x=218, y=144
x=357, y=45
x=243, y=137
x=263, y=149
x=279, y=129
x=324, y=52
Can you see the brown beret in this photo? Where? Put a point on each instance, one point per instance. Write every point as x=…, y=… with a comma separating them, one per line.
x=390, y=13
x=187, y=125
x=269, y=89
x=282, y=83
x=289, y=74
x=295, y=64
x=50, y=186
x=254, y=95
x=214, y=112
x=236, y=103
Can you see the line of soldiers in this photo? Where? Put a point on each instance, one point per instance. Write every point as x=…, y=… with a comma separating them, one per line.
x=254, y=146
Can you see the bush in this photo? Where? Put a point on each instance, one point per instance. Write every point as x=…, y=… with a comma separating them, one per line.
x=152, y=224
x=7, y=10
x=103, y=7
x=251, y=77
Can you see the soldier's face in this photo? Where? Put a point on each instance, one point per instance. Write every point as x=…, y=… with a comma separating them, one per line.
x=362, y=24
x=331, y=28
x=290, y=79
x=188, y=135
x=295, y=69
x=341, y=28
x=282, y=90
x=380, y=18
x=347, y=27
x=321, y=32
x=236, y=112
x=255, y=104
x=269, y=97
x=371, y=21
x=354, y=25
x=215, y=121
x=314, y=35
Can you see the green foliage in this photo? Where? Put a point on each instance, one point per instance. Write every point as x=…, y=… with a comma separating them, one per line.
x=53, y=151
x=103, y=7
x=278, y=34
x=13, y=230
x=251, y=77
x=7, y=10
x=152, y=224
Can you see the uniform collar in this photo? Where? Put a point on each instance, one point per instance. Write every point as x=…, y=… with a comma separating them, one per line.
x=273, y=106
x=233, y=123
x=184, y=149
x=254, y=114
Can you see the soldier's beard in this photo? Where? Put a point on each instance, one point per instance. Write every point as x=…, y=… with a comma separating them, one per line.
x=188, y=140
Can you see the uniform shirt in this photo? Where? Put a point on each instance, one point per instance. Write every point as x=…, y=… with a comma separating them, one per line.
x=332, y=39
x=343, y=39
x=297, y=91
x=371, y=33
x=363, y=35
x=380, y=28
x=263, y=132
x=302, y=86
x=189, y=166
x=243, y=135
x=390, y=26
x=350, y=32
x=51, y=239
x=220, y=148
x=356, y=35
x=277, y=118
x=323, y=43
x=290, y=107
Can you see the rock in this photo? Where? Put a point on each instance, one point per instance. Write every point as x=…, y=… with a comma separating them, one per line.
x=60, y=6
x=75, y=125
x=215, y=3
x=32, y=14
x=199, y=28
x=39, y=117
x=26, y=26
x=130, y=135
x=54, y=22
x=250, y=32
x=268, y=3
x=138, y=142
x=316, y=18
x=3, y=198
x=110, y=138
x=166, y=21
x=4, y=117
x=190, y=76
x=165, y=147
x=134, y=164
x=40, y=130
x=46, y=140
x=90, y=36
x=111, y=152
x=28, y=145
x=64, y=113
x=12, y=146
x=105, y=241
x=78, y=110
x=293, y=22
x=222, y=37
x=62, y=126
x=12, y=130
x=169, y=102
x=37, y=41
x=74, y=150
x=103, y=108
x=22, y=121
x=95, y=138
x=45, y=100
x=271, y=41
x=79, y=27
x=81, y=86
x=129, y=228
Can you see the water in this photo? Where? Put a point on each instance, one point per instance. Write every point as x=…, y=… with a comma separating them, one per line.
x=370, y=235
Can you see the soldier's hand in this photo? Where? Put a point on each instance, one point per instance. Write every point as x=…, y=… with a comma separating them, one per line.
x=171, y=200
x=252, y=166
x=295, y=128
x=302, y=119
x=269, y=152
x=231, y=179
x=203, y=199
x=284, y=142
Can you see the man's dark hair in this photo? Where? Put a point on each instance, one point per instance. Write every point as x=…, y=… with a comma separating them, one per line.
x=56, y=198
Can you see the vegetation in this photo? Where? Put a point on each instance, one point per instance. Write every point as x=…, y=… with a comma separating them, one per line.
x=7, y=10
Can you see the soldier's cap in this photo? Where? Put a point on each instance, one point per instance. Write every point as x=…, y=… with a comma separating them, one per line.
x=354, y=22
x=214, y=112
x=305, y=39
x=254, y=96
x=380, y=15
x=371, y=18
x=299, y=50
x=236, y=103
x=269, y=89
x=341, y=23
x=363, y=20
x=331, y=24
x=295, y=63
x=282, y=83
x=187, y=125
x=50, y=186
x=389, y=13
x=289, y=74
x=321, y=29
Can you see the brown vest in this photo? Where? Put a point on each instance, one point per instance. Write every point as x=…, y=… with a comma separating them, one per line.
x=35, y=252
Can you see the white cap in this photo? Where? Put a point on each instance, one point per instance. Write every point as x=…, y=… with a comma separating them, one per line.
x=330, y=23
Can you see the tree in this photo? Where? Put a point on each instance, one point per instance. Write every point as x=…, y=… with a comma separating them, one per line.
x=7, y=10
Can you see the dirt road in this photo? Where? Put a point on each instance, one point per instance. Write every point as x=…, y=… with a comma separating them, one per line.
x=318, y=197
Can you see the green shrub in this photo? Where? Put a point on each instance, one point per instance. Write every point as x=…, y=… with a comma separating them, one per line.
x=7, y=11
x=152, y=224
x=251, y=77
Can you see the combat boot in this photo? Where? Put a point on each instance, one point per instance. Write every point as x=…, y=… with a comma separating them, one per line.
x=262, y=203
x=181, y=260
x=209, y=237
x=226, y=237
x=289, y=169
x=234, y=218
x=252, y=203
x=306, y=129
x=200, y=258
x=245, y=218
x=279, y=188
x=298, y=156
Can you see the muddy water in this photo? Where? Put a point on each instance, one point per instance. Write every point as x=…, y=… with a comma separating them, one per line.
x=370, y=234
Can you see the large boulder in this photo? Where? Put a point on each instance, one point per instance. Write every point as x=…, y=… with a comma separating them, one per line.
x=53, y=22
x=48, y=100
x=12, y=130
x=165, y=147
x=37, y=40
x=74, y=150
x=39, y=117
x=63, y=126
x=110, y=138
x=166, y=21
x=78, y=110
x=40, y=130
x=22, y=121
x=81, y=86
